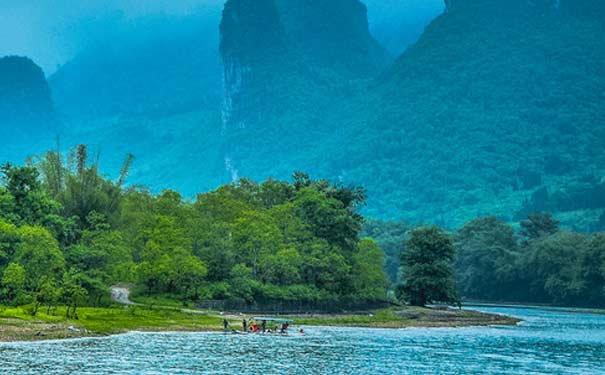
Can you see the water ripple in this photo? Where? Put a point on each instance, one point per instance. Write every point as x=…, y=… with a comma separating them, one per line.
x=549, y=342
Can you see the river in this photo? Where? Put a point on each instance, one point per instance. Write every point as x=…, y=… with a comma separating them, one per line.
x=549, y=341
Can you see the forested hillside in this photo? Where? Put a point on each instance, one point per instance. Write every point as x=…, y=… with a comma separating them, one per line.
x=495, y=110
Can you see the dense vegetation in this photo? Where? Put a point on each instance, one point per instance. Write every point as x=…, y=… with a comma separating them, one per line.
x=428, y=275
x=540, y=263
x=496, y=110
x=537, y=263
x=66, y=234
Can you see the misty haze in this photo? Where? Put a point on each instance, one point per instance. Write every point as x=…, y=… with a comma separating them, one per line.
x=302, y=186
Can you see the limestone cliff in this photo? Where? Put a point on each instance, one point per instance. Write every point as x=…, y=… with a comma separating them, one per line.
x=274, y=48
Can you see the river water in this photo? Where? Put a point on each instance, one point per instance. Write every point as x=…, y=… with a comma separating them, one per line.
x=549, y=341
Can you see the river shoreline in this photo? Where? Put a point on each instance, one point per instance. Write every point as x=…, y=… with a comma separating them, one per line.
x=17, y=326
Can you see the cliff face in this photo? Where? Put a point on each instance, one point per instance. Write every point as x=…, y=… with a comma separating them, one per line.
x=24, y=92
x=273, y=48
x=254, y=52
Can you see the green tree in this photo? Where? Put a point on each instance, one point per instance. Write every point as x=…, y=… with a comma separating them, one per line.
x=486, y=259
x=48, y=294
x=328, y=218
x=370, y=280
x=390, y=236
x=190, y=273
x=13, y=279
x=9, y=240
x=242, y=283
x=74, y=294
x=428, y=275
x=255, y=236
x=539, y=225
x=282, y=268
x=39, y=254
x=24, y=200
x=555, y=264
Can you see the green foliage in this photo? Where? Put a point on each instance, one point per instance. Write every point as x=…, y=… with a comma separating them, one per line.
x=368, y=264
x=556, y=263
x=39, y=254
x=539, y=225
x=67, y=241
x=253, y=242
x=391, y=237
x=73, y=292
x=22, y=199
x=540, y=263
x=13, y=280
x=428, y=274
x=486, y=257
x=49, y=293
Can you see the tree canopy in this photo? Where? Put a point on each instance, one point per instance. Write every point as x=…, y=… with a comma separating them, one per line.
x=67, y=234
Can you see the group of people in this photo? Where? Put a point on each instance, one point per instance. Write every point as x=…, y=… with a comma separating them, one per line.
x=251, y=326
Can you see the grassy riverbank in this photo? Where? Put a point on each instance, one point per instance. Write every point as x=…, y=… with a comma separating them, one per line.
x=17, y=324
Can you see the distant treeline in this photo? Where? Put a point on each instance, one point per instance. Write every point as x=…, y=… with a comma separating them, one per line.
x=539, y=262
x=67, y=234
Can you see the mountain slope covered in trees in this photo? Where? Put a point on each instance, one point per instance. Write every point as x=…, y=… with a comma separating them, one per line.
x=496, y=109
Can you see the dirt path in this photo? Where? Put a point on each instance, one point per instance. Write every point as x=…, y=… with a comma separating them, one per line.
x=121, y=295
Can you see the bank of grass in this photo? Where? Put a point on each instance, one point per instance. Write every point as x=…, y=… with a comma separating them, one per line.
x=406, y=317
x=17, y=323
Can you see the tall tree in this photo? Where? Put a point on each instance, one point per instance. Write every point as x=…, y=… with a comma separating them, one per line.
x=486, y=254
x=428, y=274
x=539, y=225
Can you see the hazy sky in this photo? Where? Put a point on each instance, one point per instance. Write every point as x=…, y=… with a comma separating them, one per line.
x=52, y=31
